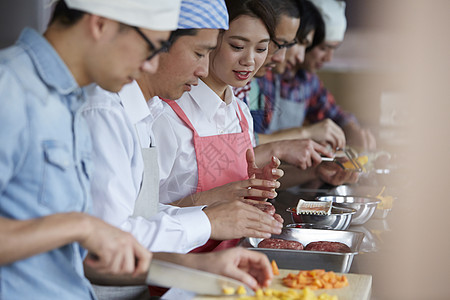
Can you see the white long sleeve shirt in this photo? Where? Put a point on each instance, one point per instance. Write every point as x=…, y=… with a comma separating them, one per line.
x=114, y=120
x=210, y=116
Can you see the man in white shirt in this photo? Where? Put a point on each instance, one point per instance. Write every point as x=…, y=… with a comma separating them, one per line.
x=125, y=180
x=120, y=127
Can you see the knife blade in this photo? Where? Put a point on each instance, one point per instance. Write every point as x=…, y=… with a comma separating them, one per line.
x=166, y=274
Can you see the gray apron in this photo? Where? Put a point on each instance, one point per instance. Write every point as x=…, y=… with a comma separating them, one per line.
x=146, y=206
x=147, y=202
x=286, y=114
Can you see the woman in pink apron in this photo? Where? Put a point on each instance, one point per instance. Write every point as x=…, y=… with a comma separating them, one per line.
x=207, y=127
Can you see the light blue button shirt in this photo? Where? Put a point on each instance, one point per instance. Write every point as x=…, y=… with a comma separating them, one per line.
x=44, y=164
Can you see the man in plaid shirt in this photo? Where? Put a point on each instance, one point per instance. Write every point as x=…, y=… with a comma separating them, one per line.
x=282, y=104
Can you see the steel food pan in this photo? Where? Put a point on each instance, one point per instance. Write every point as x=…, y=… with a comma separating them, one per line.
x=307, y=260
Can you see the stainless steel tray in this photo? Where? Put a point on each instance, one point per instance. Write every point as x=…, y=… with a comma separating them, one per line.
x=307, y=260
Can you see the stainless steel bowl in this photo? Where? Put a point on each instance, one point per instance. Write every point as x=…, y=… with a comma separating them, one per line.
x=339, y=219
x=364, y=206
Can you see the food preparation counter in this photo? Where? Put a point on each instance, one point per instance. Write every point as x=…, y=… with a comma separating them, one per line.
x=371, y=248
x=359, y=288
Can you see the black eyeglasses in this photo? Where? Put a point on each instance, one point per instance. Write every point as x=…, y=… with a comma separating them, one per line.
x=284, y=45
x=164, y=45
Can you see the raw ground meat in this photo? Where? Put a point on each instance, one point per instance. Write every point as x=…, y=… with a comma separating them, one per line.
x=328, y=247
x=280, y=244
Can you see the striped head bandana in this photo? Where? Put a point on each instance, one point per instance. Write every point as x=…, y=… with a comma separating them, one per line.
x=203, y=14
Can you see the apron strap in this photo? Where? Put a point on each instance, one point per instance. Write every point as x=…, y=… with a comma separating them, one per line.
x=243, y=122
x=180, y=113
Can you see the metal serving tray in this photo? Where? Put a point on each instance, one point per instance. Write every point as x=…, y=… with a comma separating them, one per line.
x=307, y=260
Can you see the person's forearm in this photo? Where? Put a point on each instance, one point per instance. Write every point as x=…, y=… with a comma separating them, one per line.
x=21, y=239
x=285, y=134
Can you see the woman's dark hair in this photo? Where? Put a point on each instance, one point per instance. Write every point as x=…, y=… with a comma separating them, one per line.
x=311, y=19
x=254, y=8
x=65, y=15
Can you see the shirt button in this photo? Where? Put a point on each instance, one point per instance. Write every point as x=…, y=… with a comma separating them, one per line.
x=221, y=131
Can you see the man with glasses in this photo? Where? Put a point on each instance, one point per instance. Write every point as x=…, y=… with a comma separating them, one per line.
x=288, y=98
x=270, y=110
x=125, y=182
x=165, y=45
x=45, y=160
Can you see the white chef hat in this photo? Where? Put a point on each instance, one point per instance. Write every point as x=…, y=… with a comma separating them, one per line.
x=203, y=14
x=148, y=14
x=333, y=14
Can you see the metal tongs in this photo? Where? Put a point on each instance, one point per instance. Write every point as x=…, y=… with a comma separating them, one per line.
x=342, y=155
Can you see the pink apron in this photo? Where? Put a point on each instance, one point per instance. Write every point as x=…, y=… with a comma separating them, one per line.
x=221, y=159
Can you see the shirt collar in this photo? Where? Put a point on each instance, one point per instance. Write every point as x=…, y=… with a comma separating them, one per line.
x=135, y=105
x=49, y=65
x=207, y=100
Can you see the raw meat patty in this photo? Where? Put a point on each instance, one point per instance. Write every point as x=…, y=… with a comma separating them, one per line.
x=280, y=244
x=328, y=247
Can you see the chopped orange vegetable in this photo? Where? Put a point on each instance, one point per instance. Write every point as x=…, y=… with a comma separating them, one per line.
x=275, y=269
x=315, y=279
x=362, y=160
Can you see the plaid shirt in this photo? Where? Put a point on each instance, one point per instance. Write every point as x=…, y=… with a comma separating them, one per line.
x=303, y=87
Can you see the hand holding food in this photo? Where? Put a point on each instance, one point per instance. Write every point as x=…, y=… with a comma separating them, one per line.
x=236, y=219
x=113, y=251
x=247, y=266
x=270, y=171
x=258, y=189
x=332, y=173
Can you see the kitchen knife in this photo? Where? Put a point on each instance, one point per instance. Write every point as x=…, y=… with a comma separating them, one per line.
x=165, y=274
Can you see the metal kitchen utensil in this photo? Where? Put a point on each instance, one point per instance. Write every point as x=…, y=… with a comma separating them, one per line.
x=348, y=154
x=166, y=274
x=308, y=260
x=313, y=207
x=338, y=219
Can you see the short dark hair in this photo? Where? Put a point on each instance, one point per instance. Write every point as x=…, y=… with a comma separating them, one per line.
x=290, y=8
x=66, y=16
x=254, y=8
x=174, y=35
x=311, y=19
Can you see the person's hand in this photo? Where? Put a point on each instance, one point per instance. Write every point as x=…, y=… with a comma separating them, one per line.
x=359, y=137
x=325, y=132
x=249, y=267
x=253, y=188
x=332, y=173
x=301, y=153
x=236, y=219
x=269, y=172
x=113, y=251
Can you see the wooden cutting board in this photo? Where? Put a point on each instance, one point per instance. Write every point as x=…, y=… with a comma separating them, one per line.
x=359, y=287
